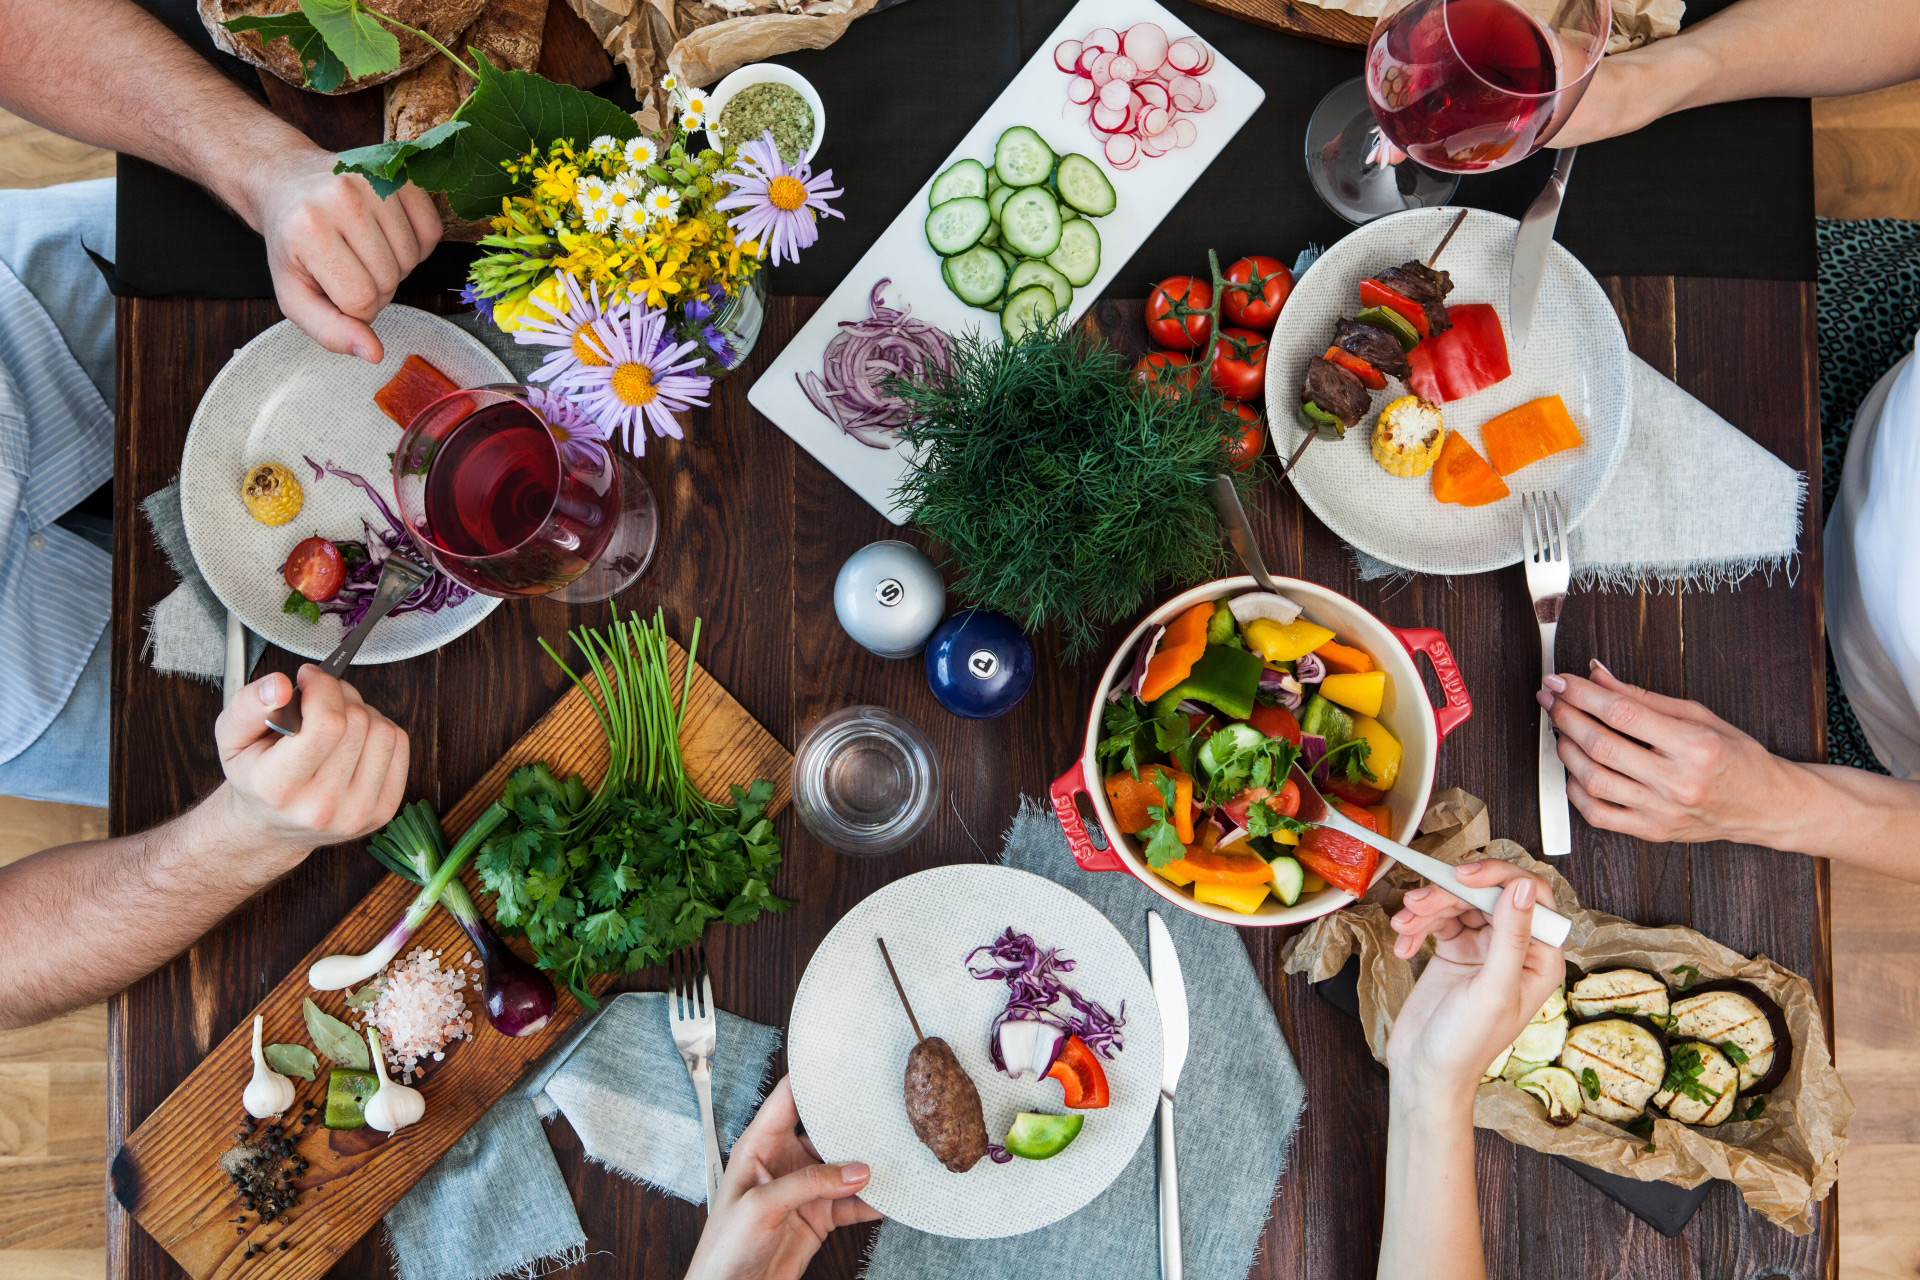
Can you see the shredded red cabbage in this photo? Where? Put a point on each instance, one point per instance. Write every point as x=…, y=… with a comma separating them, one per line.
x=363, y=570
x=858, y=362
x=1034, y=984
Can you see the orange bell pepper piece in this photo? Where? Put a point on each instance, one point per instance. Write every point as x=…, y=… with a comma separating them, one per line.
x=1343, y=658
x=1225, y=868
x=1131, y=797
x=1181, y=647
x=1463, y=476
x=1521, y=437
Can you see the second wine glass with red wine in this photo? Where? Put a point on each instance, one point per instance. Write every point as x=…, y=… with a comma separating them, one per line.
x=510, y=490
x=1451, y=87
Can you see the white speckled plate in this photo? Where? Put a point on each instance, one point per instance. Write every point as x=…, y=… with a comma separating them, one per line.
x=1577, y=350
x=848, y=1040
x=282, y=397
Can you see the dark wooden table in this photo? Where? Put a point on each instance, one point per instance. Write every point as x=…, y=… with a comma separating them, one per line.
x=754, y=532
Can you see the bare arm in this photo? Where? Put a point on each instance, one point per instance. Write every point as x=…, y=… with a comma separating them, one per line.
x=1753, y=49
x=80, y=922
x=106, y=72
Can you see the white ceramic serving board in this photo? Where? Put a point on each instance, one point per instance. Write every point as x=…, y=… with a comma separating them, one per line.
x=1034, y=98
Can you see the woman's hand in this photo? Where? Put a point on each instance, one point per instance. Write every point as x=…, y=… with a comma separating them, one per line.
x=1488, y=977
x=777, y=1201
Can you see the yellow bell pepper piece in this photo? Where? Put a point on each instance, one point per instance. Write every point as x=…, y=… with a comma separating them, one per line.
x=1383, y=756
x=1285, y=643
x=1245, y=899
x=1361, y=691
x=1175, y=872
x=1311, y=883
x=1283, y=836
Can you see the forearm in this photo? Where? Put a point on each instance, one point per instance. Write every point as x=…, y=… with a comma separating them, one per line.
x=83, y=921
x=107, y=73
x=1848, y=815
x=1432, y=1226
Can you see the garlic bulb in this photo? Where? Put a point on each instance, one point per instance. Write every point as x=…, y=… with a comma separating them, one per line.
x=393, y=1106
x=269, y=1093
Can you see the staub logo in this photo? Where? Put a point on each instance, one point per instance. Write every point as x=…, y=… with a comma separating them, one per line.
x=889, y=592
x=983, y=663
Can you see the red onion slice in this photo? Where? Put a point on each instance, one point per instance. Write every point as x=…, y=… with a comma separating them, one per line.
x=862, y=357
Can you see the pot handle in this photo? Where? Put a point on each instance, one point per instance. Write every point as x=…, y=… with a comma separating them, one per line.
x=1434, y=645
x=1065, y=788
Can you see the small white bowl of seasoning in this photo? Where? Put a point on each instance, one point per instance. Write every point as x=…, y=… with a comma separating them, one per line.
x=759, y=73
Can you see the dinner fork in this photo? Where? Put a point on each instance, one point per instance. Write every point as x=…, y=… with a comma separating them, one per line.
x=399, y=577
x=1543, y=528
x=690, y=1014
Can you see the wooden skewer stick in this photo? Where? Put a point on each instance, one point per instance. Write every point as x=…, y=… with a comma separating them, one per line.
x=904, y=1002
x=1442, y=246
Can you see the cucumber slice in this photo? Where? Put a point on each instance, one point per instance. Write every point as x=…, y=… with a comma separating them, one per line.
x=1031, y=308
x=1022, y=157
x=1228, y=739
x=1040, y=273
x=962, y=178
x=991, y=236
x=997, y=200
x=977, y=276
x=993, y=181
x=1007, y=256
x=1078, y=255
x=1288, y=879
x=955, y=226
x=1030, y=222
x=1082, y=185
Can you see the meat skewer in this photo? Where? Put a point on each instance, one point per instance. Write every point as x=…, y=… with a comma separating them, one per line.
x=942, y=1103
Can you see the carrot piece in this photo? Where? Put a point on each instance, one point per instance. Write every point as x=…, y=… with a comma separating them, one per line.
x=1463, y=476
x=1520, y=437
x=1185, y=640
x=1343, y=659
x=417, y=385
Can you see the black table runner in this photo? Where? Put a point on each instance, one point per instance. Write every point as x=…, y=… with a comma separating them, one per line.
x=1722, y=191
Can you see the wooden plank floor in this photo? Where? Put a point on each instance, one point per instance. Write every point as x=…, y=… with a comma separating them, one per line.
x=52, y=1077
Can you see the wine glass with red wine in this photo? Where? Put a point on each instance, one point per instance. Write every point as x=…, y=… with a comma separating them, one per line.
x=1451, y=87
x=509, y=489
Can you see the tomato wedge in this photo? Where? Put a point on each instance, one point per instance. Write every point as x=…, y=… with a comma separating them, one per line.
x=1276, y=722
x=315, y=569
x=1078, y=1071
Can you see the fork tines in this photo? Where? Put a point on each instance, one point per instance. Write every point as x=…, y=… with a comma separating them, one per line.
x=1543, y=524
x=689, y=989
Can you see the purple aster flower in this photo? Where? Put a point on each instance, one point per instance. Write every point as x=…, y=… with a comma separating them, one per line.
x=480, y=302
x=647, y=380
x=781, y=201
x=566, y=328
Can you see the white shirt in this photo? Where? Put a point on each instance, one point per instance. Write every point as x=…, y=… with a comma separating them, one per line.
x=1873, y=578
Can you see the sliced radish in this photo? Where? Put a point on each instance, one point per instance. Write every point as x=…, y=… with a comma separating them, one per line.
x=1184, y=55
x=1122, y=150
x=1206, y=60
x=1153, y=93
x=1102, y=67
x=1207, y=97
x=1156, y=146
x=1076, y=113
x=1186, y=92
x=1103, y=38
x=1080, y=90
x=1084, y=66
x=1164, y=72
x=1109, y=119
x=1123, y=68
x=1184, y=133
x=1146, y=44
x=1154, y=120
x=1066, y=56
x=1115, y=94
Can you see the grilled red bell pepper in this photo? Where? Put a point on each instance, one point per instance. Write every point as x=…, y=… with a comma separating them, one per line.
x=410, y=391
x=1078, y=1071
x=1375, y=294
x=1337, y=858
x=1467, y=358
x=1353, y=364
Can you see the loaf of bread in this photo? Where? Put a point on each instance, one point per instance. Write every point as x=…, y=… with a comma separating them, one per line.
x=444, y=20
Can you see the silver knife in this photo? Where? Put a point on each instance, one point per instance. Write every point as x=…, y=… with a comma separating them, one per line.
x=1170, y=992
x=1530, y=246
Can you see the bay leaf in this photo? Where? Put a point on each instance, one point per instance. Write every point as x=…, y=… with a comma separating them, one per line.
x=291, y=1060
x=335, y=1038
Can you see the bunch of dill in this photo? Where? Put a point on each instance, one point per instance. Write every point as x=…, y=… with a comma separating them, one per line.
x=1062, y=488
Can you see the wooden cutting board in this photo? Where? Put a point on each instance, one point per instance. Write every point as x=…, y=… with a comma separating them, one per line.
x=1329, y=26
x=168, y=1174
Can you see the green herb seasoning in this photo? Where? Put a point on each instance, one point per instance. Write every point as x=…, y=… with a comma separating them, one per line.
x=760, y=107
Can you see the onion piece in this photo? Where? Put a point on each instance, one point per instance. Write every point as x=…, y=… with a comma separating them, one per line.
x=1313, y=749
x=1284, y=687
x=860, y=358
x=1029, y=1046
x=1310, y=669
x=1148, y=647
x=1263, y=604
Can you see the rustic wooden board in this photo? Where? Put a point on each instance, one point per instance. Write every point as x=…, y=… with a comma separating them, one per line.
x=167, y=1175
x=1328, y=26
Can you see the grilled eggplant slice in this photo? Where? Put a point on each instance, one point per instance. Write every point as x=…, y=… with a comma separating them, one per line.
x=1557, y=1090
x=1499, y=1065
x=1628, y=1058
x=1729, y=1011
x=1542, y=1041
x=1701, y=1084
x=1594, y=995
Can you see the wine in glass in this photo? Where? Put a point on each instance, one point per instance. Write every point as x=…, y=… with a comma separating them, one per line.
x=507, y=489
x=1454, y=86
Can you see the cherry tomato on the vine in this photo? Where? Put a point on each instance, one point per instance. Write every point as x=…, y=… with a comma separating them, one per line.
x=1250, y=441
x=1257, y=287
x=1239, y=364
x=315, y=569
x=1169, y=373
x=1177, y=312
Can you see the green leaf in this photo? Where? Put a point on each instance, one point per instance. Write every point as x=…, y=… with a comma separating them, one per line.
x=291, y=1059
x=365, y=997
x=324, y=72
x=300, y=607
x=384, y=164
x=355, y=36
x=335, y=1038
x=510, y=113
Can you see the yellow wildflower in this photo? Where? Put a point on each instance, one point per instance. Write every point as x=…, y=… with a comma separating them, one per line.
x=508, y=312
x=655, y=280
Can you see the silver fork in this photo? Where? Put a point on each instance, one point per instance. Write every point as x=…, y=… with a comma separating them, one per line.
x=1543, y=528
x=690, y=1013
x=399, y=576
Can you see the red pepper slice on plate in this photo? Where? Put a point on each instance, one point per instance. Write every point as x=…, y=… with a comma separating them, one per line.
x=1375, y=294
x=1078, y=1071
x=1353, y=364
x=1337, y=858
x=1467, y=358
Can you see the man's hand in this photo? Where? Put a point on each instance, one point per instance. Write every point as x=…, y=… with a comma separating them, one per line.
x=337, y=250
x=777, y=1201
x=339, y=778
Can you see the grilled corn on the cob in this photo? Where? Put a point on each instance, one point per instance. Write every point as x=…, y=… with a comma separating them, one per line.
x=271, y=493
x=1406, y=439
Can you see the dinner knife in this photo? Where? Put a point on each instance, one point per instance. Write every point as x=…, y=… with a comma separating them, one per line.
x=1530, y=245
x=1170, y=992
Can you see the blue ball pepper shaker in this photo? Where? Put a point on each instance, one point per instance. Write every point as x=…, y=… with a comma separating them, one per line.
x=979, y=664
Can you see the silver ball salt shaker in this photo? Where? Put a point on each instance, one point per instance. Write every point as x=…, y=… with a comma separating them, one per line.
x=889, y=597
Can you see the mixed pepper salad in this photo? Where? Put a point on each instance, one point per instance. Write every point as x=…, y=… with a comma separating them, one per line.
x=1221, y=703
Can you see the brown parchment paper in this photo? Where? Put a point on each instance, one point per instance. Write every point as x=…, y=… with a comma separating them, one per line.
x=1782, y=1163
x=1635, y=22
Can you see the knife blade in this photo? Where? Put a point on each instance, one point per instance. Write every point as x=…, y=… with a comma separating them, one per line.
x=1530, y=245
x=1170, y=993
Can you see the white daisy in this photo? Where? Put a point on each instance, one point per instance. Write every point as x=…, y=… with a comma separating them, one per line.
x=696, y=103
x=597, y=217
x=669, y=83
x=624, y=194
x=693, y=121
x=641, y=152
x=662, y=202
x=634, y=219
x=589, y=191
x=604, y=145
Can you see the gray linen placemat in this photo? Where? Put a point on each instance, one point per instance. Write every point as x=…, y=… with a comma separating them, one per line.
x=187, y=629
x=620, y=1083
x=1239, y=1098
